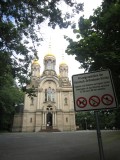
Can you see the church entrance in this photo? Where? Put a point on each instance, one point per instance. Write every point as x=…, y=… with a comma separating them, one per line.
x=49, y=120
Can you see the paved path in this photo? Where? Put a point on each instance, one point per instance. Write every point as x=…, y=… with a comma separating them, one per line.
x=81, y=145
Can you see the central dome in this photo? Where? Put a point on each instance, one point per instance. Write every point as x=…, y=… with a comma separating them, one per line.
x=49, y=55
x=49, y=61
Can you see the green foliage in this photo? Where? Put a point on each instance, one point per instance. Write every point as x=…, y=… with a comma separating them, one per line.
x=85, y=120
x=117, y=118
x=20, y=21
x=107, y=119
x=9, y=96
x=99, y=44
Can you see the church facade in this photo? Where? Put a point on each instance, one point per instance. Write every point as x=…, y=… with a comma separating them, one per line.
x=52, y=107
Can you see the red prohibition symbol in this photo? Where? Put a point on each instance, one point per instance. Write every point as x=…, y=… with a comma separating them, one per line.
x=81, y=102
x=94, y=101
x=107, y=99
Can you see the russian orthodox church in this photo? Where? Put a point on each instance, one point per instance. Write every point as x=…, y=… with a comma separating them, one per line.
x=52, y=107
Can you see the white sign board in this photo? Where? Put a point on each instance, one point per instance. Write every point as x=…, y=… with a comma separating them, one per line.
x=93, y=91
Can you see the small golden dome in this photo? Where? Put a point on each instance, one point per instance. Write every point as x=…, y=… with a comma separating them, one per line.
x=35, y=61
x=58, y=75
x=63, y=64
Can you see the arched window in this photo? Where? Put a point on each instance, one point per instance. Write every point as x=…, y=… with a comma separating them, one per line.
x=45, y=95
x=53, y=95
x=50, y=94
x=65, y=100
x=30, y=120
x=67, y=119
x=49, y=65
x=32, y=100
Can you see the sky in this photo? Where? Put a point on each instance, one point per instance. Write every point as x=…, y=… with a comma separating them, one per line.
x=59, y=44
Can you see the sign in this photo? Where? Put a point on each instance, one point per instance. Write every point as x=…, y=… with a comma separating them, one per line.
x=81, y=102
x=107, y=99
x=93, y=91
x=94, y=101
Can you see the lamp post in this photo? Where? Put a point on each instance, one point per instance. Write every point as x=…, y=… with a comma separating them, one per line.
x=85, y=123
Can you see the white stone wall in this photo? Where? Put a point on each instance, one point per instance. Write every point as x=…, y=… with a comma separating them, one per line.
x=17, y=125
x=28, y=123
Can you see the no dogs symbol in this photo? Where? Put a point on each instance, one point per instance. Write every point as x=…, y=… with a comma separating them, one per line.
x=81, y=102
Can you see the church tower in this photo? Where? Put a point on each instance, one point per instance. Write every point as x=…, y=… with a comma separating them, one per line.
x=63, y=72
x=49, y=62
x=35, y=72
x=49, y=65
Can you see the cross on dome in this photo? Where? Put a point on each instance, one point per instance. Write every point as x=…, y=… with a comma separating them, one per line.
x=63, y=63
x=49, y=53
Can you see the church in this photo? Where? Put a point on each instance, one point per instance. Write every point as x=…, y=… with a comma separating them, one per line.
x=52, y=108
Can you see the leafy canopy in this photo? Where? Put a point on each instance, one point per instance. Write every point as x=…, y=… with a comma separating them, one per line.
x=20, y=21
x=98, y=43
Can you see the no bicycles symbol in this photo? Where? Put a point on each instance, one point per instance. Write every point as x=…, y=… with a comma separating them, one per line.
x=81, y=102
x=94, y=101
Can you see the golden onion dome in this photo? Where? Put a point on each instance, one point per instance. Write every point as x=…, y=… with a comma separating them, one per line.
x=36, y=62
x=63, y=64
x=49, y=55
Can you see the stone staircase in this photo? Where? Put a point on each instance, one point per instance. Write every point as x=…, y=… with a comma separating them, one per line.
x=50, y=129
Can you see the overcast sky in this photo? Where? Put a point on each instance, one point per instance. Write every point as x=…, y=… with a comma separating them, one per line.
x=59, y=44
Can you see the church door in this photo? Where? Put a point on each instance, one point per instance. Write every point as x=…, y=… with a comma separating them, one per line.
x=49, y=119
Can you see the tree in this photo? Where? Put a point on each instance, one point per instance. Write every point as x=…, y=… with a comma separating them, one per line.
x=98, y=46
x=107, y=119
x=98, y=43
x=20, y=21
x=85, y=120
x=10, y=94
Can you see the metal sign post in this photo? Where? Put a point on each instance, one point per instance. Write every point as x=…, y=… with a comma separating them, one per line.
x=101, y=152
